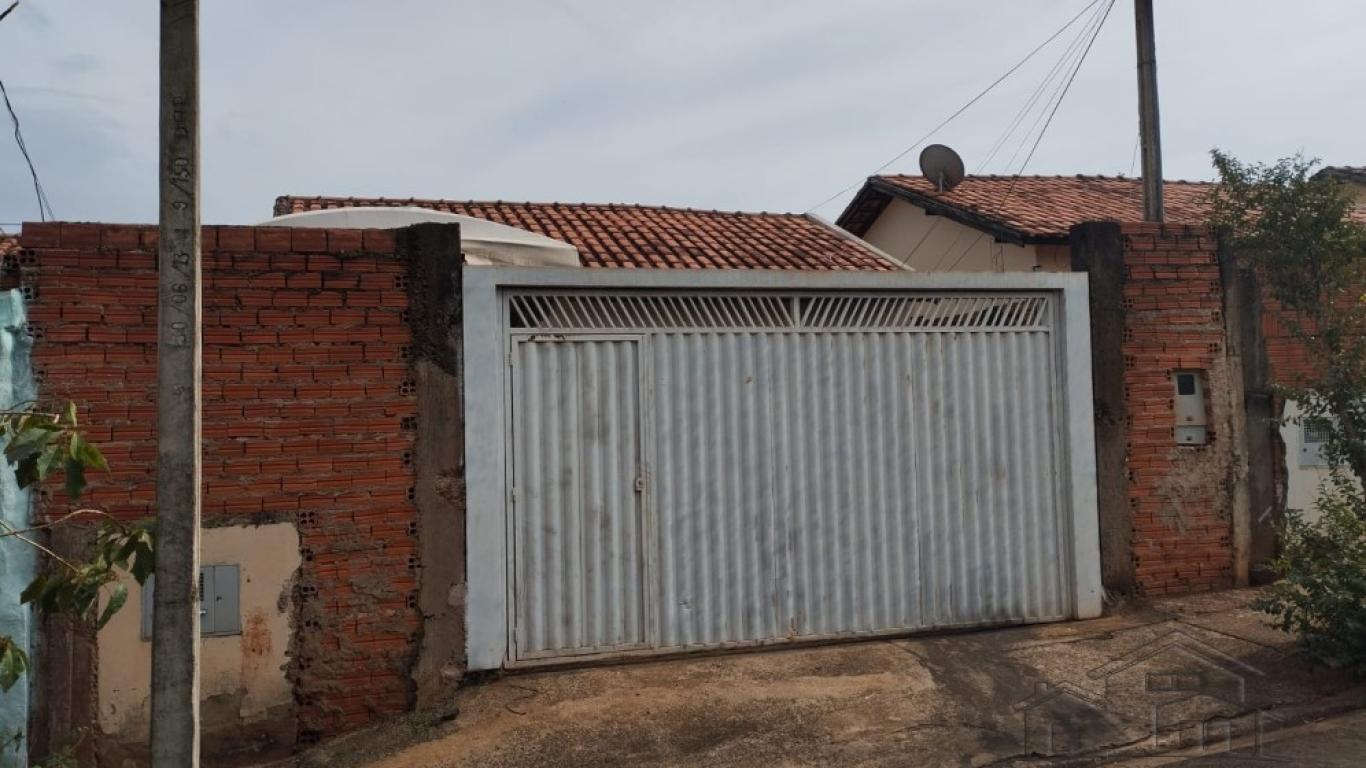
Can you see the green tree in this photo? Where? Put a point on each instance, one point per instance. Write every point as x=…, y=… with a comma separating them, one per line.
x=1300, y=232
x=40, y=445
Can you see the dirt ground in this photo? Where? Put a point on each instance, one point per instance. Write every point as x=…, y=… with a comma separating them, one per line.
x=1206, y=669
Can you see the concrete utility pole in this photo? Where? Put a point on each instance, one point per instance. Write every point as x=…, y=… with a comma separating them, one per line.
x=1149, y=126
x=175, y=621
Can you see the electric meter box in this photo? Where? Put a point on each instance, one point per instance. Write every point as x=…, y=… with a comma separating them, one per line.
x=1191, y=426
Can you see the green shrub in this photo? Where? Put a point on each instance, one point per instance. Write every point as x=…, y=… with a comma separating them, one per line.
x=1298, y=229
x=1321, y=595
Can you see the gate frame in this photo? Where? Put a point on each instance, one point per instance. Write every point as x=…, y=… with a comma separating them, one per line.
x=487, y=363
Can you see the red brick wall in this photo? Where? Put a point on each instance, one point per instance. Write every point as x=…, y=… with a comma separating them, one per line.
x=1286, y=356
x=1178, y=495
x=308, y=417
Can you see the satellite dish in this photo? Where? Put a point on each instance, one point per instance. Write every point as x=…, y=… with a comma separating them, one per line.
x=942, y=166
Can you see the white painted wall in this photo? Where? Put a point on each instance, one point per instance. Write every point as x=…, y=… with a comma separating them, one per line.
x=937, y=243
x=1302, y=482
x=247, y=668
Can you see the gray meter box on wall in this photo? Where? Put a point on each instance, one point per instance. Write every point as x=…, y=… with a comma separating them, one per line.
x=1191, y=426
x=219, y=601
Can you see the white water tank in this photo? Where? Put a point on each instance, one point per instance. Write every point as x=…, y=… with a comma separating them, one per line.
x=481, y=241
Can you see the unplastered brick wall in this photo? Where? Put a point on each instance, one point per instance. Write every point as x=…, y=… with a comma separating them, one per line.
x=308, y=417
x=1287, y=359
x=1179, y=496
x=1289, y=364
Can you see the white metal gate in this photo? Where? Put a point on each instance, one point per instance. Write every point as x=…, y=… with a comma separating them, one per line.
x=578, y=514
x=815, y=466
x=689, y=469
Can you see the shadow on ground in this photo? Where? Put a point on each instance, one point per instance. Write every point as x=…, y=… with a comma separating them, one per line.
x=1147, y=678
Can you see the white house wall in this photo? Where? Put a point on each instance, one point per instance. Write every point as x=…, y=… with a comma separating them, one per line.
x=243, y=680
x=937, y=243
x=1302, y=482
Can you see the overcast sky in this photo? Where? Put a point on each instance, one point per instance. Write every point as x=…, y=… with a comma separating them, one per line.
x=732, y=104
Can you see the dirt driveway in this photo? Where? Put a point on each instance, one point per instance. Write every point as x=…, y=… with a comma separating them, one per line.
x=1073, y=692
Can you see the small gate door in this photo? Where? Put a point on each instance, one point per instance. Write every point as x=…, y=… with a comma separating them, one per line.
x=577, y=496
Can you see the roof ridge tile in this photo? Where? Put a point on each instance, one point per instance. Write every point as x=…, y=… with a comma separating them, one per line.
x=431, y=202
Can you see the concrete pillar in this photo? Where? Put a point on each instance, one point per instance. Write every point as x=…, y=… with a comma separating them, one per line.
x=1236, y=317
x=1098, y=250
x=1262, y=437
x=432, y=253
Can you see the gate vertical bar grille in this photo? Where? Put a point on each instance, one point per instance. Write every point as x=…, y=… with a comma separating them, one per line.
x=608, y=311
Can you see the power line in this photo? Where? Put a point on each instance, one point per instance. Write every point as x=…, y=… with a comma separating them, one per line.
x=1062, y=94
x=1052, y=113
x=44, y=207
x=1060, y=66
x=963, y=108
x=1072, y=61
x=1057, y=104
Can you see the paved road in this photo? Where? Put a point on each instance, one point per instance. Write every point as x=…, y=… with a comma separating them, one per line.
x=1336, y=743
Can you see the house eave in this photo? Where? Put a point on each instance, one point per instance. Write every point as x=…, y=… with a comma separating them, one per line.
x=868, y=204
x=935, y=207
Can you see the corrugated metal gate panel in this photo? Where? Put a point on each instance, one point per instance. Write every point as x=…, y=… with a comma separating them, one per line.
x=854, y=544
x=713, y=493
x=577, y=522
x=989, y=497
x=833, y=465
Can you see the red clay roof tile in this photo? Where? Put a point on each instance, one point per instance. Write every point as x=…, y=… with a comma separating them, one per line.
x=654, y=236
x=1039, y=207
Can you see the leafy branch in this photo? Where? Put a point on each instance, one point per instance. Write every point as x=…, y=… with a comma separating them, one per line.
x=39, y=444
x=1299, y=230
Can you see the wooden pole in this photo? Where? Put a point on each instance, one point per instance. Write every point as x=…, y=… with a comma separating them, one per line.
x=175, y=624
x=1149, y=124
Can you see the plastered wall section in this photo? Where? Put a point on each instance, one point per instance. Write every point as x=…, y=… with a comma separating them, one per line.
x=17, y=561
x=1302, y=481
x=243, y=677
x=936, y=243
